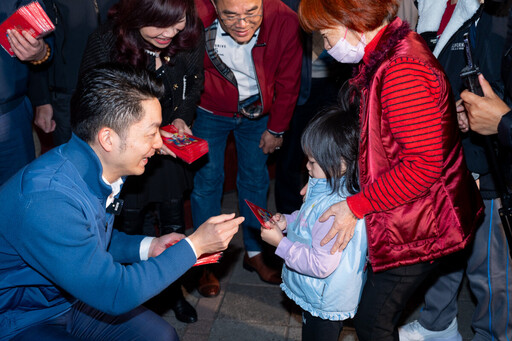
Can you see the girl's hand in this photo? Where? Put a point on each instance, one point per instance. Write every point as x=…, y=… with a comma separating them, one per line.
x=272, y=236
x=280, y=221
x=343, y=226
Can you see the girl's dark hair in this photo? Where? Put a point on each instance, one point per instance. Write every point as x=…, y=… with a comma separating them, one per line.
x=131, y=15
x=332, y=137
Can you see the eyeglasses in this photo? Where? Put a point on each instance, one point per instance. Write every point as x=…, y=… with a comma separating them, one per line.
x=249, y=19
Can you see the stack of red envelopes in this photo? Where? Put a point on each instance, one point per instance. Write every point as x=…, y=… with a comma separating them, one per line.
x=187, y=147
x=207, y=258
x=31, y=18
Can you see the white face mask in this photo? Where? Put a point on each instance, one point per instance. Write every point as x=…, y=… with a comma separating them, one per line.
x=344, y=52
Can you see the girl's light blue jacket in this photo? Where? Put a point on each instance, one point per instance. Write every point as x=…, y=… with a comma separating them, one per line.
x=335, y=297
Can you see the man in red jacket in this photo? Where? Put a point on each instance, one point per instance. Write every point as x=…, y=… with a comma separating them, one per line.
x=252, y=69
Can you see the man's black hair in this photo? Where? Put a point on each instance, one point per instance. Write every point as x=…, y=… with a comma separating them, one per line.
x=110, y=95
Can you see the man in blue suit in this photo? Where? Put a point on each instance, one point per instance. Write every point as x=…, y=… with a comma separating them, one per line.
x=64, y=272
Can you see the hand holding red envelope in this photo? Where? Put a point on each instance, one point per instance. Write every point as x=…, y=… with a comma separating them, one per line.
x=30, y=18
x=187, y=147
x=261, y=214
x=207, y=258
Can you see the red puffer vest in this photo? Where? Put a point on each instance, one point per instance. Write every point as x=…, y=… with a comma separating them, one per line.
x=443, y=219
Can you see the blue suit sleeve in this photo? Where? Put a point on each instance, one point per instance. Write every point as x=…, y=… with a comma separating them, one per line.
x=65, y=247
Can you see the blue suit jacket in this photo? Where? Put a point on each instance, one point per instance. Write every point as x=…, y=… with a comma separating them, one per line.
x=57, y=244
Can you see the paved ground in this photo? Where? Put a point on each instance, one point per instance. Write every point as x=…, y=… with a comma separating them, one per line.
x=249, y=309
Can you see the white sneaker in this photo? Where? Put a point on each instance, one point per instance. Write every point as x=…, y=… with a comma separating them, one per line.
x=414, y=331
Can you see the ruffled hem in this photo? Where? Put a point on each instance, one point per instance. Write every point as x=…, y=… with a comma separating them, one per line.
x=326, y=315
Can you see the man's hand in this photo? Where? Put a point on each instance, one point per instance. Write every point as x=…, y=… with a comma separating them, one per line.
x=26, y=47
x=43, y=118
x=484, y=113
x=215, y=234
x=272, y=236
x=303, y=192
x=462, y=117
x=158, y=245
x=269, y=143
x=343, y=226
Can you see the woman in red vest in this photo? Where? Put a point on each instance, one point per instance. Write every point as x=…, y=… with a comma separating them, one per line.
x=419, y=201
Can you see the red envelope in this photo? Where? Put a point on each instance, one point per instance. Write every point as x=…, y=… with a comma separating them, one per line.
x=31, y=18
x=207, y=258
x=260, y=213
x=187, y=147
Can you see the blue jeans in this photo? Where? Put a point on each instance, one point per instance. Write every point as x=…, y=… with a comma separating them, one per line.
x=488, y=270
x=252, y=179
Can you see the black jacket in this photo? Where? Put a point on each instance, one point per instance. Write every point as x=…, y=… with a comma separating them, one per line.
x=165, y=178
x=487, y=36
x=182, y=77
x=74, y=22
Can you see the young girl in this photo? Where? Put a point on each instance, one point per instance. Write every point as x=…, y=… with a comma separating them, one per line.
x=327, y=287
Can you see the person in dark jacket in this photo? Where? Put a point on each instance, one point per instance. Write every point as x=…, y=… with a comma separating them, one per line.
x=486, y=262
x=164, y=37
x=16, y=114
x=74, y=22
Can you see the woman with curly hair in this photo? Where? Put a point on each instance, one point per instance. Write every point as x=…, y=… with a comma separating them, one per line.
x=166, y=38
x=417, y=197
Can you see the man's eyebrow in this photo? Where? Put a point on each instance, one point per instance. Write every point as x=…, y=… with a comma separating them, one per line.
x=153, y=125
x=226, y=11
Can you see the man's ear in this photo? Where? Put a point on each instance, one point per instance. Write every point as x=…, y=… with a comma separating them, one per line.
x=106, y=137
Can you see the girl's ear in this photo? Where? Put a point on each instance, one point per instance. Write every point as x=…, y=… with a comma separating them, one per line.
x=343, y=166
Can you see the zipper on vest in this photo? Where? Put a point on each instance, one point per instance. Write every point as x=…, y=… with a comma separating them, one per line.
x=257, y=79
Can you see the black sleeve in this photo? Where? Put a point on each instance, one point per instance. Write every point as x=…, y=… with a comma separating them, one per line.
x=97, y=50
x=38, y=86
x=506, y=65
x=195, y=80
x=505, y=130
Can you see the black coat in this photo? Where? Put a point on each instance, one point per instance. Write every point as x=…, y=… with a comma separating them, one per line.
x=488, y=41
x=74, y=22
x=165, y=177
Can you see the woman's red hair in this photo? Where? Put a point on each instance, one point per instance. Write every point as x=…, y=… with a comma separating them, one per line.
x=356, y=15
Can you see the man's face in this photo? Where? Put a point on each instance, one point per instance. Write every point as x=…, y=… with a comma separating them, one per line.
x=131, y=154
x=240, y=18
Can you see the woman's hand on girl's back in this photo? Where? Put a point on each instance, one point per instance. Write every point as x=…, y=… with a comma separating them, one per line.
x=342, y=228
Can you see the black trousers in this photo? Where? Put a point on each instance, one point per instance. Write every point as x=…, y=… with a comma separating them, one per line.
x=384, y=297
x=317, y=329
